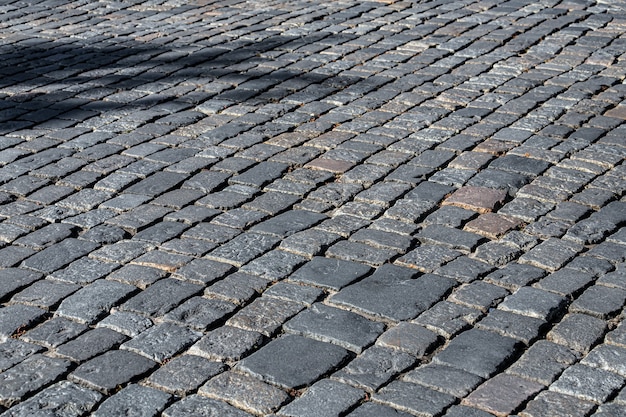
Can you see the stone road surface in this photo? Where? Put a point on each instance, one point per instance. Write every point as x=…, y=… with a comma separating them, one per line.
x=300, y=208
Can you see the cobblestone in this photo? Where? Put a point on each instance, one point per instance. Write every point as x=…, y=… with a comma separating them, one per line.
x=142, y=401
x=293, y=361
x=352, y=208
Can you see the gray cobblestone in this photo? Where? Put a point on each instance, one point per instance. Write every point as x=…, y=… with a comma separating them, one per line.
x=202, y=407
x=136, y=399
x=414, y=398
x=54, y=332
x=491, y=351
x=568, y=332
x=324, y=398
x=587, y=383
x=32, y=374
x=293, y=361
x=13, y=279
x=161, y=297
x=227, y=344
x=105, y=373
x=64, y=399
x=399, y=295
x=90, y=344
x=59, y=255
x=94, y=300
x=244, y=392
x=197, y=370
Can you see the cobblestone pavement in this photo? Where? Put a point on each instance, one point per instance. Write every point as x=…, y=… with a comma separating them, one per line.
x=357, y=208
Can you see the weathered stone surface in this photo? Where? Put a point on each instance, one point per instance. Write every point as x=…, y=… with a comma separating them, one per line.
x=63, y=399
x=375, y=367
x=32, y=374
x=244, y=392
x=106, y=372
x=394, y=292
x=586, y=383
x=227, y=344
x=162, y=341
x=414, y=399
x=502, y=394
x=324, y=398
x=293, y=361
x=195, y=405
x=94, y=300
x=341, y=327
x=184, y=374
x=489, y=351
x=136, y=400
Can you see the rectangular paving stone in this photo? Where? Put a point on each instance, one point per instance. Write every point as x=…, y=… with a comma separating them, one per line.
x=200, y=313
x=144, y=401
x=375, y=367
x=161, y=297
x=244, y=392
x=13, y=279
x=579, y=332
x=341, y=327
x=289, y=222
x=18, y=317
x=325, y=398
x=265, y=315
x=196, y=370
x=450, y=237
x=121, y=252
x=359, y=252
x=64, y=399
x=587, y=383
x=54, y=332
x=329, y=272
x=139, y=218
x=159, y=259
x=534, y=302
x=202, y=406
x=415, y=399
x=137, y=275
x=32, y=374
x=479, y=199
x=227, y=343
x=14, y=351
x=46, y=236
x=394, y=293
x=90, y=344
x=427, y=258
x=59, y=255
x=524, y=328
x=95, y=300
x=543, y=362
x=243, y=248
x=515, y=275
x=105, y=373
x=45, y=293
x=443, y=378
x=502, y=394
x=599, y=301
x=490, y=352
x=162, y=341
x=557, y=404
x=293, y=361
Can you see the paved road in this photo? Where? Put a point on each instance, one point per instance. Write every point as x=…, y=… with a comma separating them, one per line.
x=361, y=208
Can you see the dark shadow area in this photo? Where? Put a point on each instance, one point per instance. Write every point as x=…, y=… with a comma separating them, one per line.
x=41, y=80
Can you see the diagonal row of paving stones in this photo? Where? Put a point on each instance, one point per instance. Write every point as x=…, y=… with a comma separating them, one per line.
x=379, y=208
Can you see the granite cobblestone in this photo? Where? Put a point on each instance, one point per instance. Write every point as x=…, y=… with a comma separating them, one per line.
x=286, y=209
